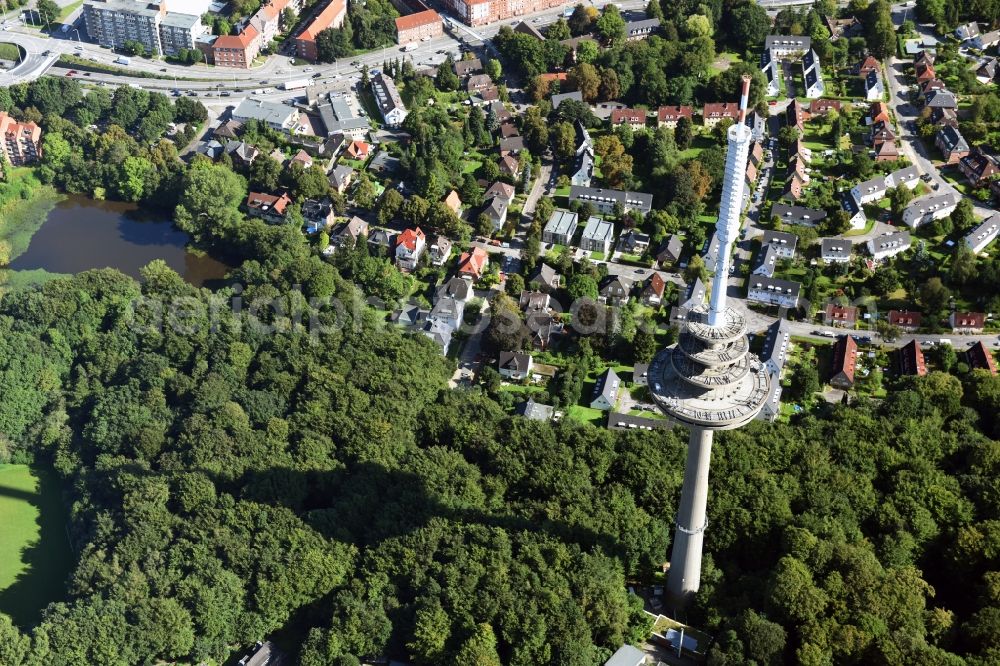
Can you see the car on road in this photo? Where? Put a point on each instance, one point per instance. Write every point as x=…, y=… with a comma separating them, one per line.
x=308, y=69
x=926, y=177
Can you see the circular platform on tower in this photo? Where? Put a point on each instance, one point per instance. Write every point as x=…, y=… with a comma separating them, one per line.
x=734, y=402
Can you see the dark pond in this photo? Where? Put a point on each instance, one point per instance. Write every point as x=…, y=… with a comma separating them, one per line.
x=82, y=233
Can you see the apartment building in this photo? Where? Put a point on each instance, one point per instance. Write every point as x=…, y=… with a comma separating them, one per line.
x=237, y=51
x=111, y=23
x=418, y=26
x=332, y=16
x=482, y=12
x=22, y=142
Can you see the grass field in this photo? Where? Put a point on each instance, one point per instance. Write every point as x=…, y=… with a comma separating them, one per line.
x=35, y=558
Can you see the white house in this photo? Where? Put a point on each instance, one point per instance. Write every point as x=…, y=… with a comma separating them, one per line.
x=560, y=228
x=983, y=235
x=768, y=258
x=927, y=209
x=390, y=104
x=515, y=365
x=776, y=345
x=784, y=243
x=597, y=235
x=605, y=394
x=967, y=31
x=409, y=246
x=874, y=88
x=888, y=245
x=812, y=76
x=772, y=291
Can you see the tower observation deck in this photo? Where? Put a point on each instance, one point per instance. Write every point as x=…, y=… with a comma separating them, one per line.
x=709, y=380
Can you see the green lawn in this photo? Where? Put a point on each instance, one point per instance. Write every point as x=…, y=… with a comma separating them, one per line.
x=35, y=558
x=586, y=415
x=10, y=52
x=699, y=142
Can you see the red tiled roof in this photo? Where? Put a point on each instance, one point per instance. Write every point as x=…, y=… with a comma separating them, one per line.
x=841, y=313
x=627, y=115
x=905, y=318
x=323, y=20
x=845, y=353
x=473, y=263
x=980, y=358
x=409, y=238
x=721, y=110
x=411, y=21
x=657, y=284
x=968, y=320
x=665, y=113
x=240, y=41
x=911, y=360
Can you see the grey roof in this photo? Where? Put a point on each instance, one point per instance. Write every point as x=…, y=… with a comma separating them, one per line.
x=175, y=20
x=455, y=288
x=767, y=258
x=466, y=67
x=273, y=113
x=638, y=200
x=496, y=208
x=598, y=230
x=711, y=251
x=384, y=162
x=448, y=307
x=620, y=421
x=871, y=80
x=386, y=95
x=607, y=386
x=337, y=116
x=534, y=411
x=543, y=273
x=900, y=176
x=639, y=27
x=512, y=144
x=953, y=139
x=941, y=99
x=562, y=97
x=984, y=233
x=780, y=239
x=797, y=214
x=695, y=295
x=776, y=343
x=889, y=241
x=341, y=174
x=775, y=284
x=836, y=248
x=672, y=247
x=516, y=361
x=561, y=222
x=627, y=655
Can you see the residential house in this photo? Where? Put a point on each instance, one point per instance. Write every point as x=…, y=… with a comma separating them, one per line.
x=268, y=207
x=339, y=117
x=984, y=234
x=453, y=202
x=237, y=51
x=560, y=228
x=409, y=246
x=874, y=88
x=241, y=153
x=605, y=394
x=227, y=131
x=636, y=30
x=924, y=71
x=944, y=117
x=929, y=208
x=640, y=374
x=887, y=245
x=534, y=411
x=496, y=210
x=783, y=46
x=597, y=236
x=710, y=251
x=615, y=290
x=987, y=71
x=712, y=114
x=835, y=250
x=842, y=27
x=514, y=365
x=823, y=106
x=783, y=242
x=544, y=277
x=213, y=150
x=390, y=104
x=627, y=655
x=317, y=215
x=967, y=31
x=633, y=242
x=854, y=211
x=940, y=99
x=457, y=288
x=472, y=264
x=559, y=98
x=511, y=145
x=351, y=232
x=670, y=252
x=812, y=75
x=769, y=67
x=695, y=297
x=652, y=293
x=905, y=320
x=845, y=353
x=967, y=322
x=868, y=65
x=978, y=168
x=908, y=176
x=923, y=58
x=767, y=260
x=669, y=116
x=879, y=113
x=358, y=150
x=340, y=177
x=795, y=115
x=986, y=40
x=910, y=359
x=440, y=250
x=980, y=358
x=777, y=342
x=840, y=315
x=634, y=118
x=870, y=191
x=793, y=188
x=790, y=214
x=466, y=68
x=478, y=82
x=500, y=189
x=381, y=241
x=584, y=173
x=772, y=291
x=526, y=28
x=534, y=302
x=605, y=200
x=756, y=157
x=509, y=166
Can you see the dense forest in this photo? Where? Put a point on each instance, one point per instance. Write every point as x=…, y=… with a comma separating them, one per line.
x=226, y=483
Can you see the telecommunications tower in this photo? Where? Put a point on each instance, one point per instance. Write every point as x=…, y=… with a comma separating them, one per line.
x=709, y=381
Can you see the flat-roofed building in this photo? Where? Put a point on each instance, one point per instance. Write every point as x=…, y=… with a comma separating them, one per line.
x=597, y=235
x=560, y=228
